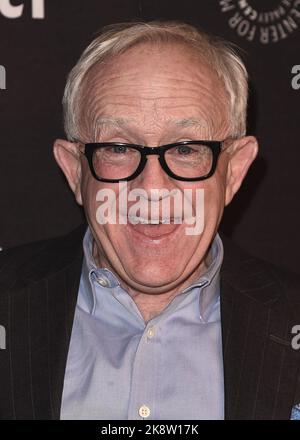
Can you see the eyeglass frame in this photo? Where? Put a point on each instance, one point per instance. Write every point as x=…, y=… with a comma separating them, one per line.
x=215, y=146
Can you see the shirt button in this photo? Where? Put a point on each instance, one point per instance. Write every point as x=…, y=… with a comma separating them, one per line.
x=150, y=332
x=144, y=411
x=102, y=282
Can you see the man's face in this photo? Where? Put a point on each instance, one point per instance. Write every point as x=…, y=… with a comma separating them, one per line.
x=154, y=95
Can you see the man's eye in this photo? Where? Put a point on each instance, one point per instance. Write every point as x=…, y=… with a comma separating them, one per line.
x=118, y=149
x=184, y=150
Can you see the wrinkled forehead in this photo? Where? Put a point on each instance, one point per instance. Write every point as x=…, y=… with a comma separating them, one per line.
x=146, y=59
x=171, y=83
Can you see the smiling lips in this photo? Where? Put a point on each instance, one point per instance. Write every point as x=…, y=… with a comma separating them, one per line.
x=154, y=231
x=154, y=228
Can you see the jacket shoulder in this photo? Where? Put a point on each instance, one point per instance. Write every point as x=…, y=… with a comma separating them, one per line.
x=260, y=279
x=236, y=258
x=30, y=262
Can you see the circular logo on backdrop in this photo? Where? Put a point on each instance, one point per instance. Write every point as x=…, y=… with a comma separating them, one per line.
x=265, y=22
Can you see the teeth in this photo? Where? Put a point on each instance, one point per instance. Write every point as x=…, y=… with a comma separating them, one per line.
x=144, y=221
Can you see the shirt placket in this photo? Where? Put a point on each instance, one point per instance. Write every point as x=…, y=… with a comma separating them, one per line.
x=145, y=375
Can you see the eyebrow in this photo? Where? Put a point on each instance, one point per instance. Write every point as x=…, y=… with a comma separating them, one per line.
x=121, y=122
x=190, y=122
x=117, y=122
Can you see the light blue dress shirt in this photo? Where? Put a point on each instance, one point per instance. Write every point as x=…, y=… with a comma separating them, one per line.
x=120, y=367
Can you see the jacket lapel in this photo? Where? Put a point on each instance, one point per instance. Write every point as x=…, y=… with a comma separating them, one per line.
x=61, y=309
x=60, y=297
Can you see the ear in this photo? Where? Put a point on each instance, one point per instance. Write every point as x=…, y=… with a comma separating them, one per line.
x=242, y=153
x=68, y=158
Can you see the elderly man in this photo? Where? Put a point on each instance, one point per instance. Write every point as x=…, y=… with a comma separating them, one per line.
x=137, y=315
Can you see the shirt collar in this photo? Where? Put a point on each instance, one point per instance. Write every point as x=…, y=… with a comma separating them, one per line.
x=209, y=282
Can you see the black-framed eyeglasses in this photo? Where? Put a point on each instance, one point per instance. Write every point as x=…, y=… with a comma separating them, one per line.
x=186, y=160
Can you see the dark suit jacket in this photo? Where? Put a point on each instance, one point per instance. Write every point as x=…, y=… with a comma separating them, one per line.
x=38, y=292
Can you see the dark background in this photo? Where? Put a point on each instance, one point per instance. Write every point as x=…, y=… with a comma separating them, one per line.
x=35, y=201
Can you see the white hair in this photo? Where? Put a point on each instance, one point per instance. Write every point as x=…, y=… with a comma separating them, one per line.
x=116, y=39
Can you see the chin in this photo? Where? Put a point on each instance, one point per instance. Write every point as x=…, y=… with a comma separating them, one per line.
x=152, y=276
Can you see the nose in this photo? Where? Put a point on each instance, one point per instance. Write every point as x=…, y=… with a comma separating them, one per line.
x=153, y=176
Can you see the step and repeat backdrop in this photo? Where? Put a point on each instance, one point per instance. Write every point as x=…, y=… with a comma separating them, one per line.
x=40, y=40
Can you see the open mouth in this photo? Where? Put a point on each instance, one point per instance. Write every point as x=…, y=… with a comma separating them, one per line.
x=154, y=228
